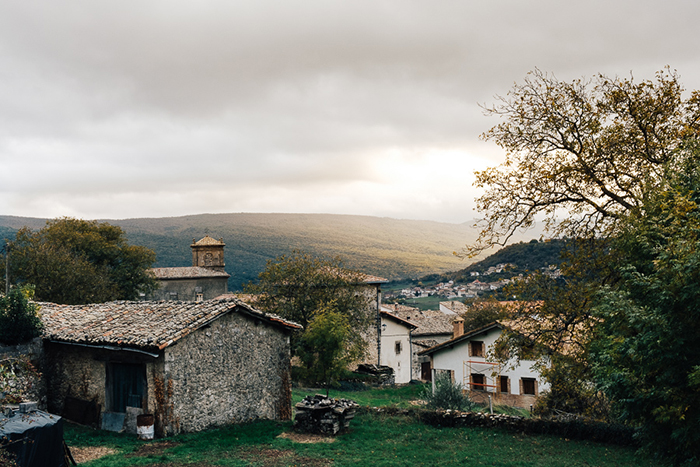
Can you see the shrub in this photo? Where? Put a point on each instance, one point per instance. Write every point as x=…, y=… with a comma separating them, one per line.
x=7, y=459
x=19, y=321
x=447, y=395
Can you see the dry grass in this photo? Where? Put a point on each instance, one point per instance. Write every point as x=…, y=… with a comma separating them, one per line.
x=82, y=455
x=305, y=438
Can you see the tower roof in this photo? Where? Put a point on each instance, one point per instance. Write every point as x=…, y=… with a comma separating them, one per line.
x=208, y=241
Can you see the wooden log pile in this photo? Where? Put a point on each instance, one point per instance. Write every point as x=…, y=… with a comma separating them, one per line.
x=322, y=415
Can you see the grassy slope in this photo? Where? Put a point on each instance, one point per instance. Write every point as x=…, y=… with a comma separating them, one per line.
x=382, y=246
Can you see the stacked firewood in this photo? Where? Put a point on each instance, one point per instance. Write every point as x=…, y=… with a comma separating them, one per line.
x=322, y=415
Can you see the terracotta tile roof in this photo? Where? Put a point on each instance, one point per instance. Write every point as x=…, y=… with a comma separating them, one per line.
x=187, y=272
x=455, y=306
x=141, y=325
x=427, y=343
x=463, y=337
x=397, y=319
x=427, y=322
x=394, y=307
x=370, y=279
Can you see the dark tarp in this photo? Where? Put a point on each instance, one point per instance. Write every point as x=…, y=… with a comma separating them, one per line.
x=36, y=438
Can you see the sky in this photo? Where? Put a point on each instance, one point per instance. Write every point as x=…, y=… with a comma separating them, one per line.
x=113, y=110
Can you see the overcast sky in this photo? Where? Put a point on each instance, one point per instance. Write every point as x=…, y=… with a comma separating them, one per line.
x=167, y=108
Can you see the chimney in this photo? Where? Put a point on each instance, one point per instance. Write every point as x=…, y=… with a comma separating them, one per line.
x=457, y=327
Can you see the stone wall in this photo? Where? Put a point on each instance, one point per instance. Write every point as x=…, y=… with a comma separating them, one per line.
x=235, y=370
x=33, y=349
x=81, y=373
x=29, y=385
x=370, y=293
x=514, y=400
x=186, y=289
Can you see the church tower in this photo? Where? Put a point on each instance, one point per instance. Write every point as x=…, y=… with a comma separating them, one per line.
x=208, y=253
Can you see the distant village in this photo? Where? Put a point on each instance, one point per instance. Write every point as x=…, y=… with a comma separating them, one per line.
x=480, y=286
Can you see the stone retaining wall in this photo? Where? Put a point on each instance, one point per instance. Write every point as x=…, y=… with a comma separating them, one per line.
x=572, y=429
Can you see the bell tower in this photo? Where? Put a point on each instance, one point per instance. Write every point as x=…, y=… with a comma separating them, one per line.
x=208, y=253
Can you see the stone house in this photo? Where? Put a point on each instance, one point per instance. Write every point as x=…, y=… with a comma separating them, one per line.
x=193, y=365
x=204, y=280
x=466, y=358
x=371, y=288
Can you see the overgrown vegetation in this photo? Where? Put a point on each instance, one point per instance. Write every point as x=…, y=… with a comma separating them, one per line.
x=326, y=348
x=647, y=351
x=621, y=158
x=447, y=395
x=328, y=300
x=19, y=319
x=19, y=379
x=7, y=459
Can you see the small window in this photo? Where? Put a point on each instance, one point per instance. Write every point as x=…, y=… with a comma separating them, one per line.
x=529, y=386
x=397, y=347
x=173, y=295
x=477, y=349
x=478, y=382
x=199, y=297
x=504, y=384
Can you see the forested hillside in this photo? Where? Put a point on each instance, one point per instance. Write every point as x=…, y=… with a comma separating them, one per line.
x=526, y=256
x=386, y=247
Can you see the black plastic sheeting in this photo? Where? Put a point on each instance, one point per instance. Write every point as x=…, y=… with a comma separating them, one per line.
x=36, y=438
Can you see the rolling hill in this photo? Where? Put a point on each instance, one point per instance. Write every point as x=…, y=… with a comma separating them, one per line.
x=392, y=248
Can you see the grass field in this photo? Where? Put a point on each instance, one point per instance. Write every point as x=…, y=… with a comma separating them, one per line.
x=373, y=439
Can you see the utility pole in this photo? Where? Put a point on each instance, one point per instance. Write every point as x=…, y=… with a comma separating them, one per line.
x=6, y=249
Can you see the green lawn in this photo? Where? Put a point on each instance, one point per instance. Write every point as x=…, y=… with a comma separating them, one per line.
x=374, y=439
x=401, y=397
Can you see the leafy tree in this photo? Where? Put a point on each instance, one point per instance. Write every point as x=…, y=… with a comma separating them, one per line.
x=584, y=156
x=75, y=261
x=647, y=351
x=299, y=286
x=19, y=320
x=326, y=347
x=482, y=312
x=581, y=154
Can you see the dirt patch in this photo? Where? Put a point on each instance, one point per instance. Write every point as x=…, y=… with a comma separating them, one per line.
x=90, y=454
x=152, y=449
x=280, y=457
x=305, y=438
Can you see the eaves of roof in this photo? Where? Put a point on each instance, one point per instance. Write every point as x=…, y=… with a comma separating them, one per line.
x=398, y=320
x=187, y=272
x=466, y=336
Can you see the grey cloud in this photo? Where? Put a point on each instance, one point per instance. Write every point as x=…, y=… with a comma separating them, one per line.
x=111, y=103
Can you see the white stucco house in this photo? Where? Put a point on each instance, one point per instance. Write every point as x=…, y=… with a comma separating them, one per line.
x=466, y=358
x=395, y=346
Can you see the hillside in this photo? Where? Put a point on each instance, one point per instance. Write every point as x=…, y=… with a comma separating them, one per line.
x=526, y=256
x=391, y=248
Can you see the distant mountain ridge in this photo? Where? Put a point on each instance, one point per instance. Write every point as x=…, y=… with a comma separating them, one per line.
x=391, y=248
